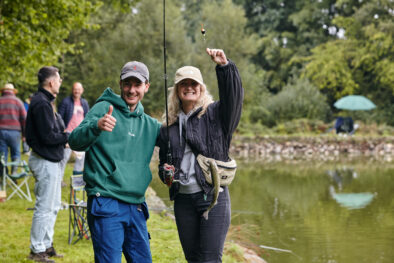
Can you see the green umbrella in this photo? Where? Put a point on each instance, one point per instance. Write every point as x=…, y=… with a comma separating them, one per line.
x=354, y=102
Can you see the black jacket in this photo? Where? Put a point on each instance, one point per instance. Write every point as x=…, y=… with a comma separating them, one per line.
x=45, y=128
x=211, y=134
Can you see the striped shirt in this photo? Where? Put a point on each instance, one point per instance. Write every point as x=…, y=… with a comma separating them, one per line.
x=12, y=112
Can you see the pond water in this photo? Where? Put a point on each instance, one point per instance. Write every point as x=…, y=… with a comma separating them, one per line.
x=313, y=212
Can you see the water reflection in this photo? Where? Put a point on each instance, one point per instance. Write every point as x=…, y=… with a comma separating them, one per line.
x=342, y=177
x=346, y=215
x=352, y=200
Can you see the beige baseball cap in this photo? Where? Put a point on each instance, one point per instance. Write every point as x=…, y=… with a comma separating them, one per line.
x=188, y=72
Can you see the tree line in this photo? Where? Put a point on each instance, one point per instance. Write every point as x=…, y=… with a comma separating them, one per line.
x=296, y=57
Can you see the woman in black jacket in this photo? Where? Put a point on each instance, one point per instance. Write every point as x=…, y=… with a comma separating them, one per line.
x=198, y=125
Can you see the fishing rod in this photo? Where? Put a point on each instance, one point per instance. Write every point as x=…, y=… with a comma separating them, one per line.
x=169, y=173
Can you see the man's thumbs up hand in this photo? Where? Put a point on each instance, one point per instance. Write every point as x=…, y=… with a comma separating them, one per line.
x=110, y=110
x=107, y=122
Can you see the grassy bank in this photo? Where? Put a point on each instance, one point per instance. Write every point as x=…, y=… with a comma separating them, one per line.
x=15, y=223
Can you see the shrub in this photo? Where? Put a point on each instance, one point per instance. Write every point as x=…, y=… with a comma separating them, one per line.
x=301, y=126
x=297, y=100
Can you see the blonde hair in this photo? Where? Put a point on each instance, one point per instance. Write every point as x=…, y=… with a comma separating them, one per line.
x=175, y=104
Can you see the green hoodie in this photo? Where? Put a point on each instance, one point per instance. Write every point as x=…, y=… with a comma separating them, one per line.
x=117, y=162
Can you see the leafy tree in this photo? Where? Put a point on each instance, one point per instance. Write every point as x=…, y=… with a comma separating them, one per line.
x=362, y=62
x=34, y=33
x=127, y=36
x=134, y=37
x=225, y=25
x=330, y=70
x=289, y=29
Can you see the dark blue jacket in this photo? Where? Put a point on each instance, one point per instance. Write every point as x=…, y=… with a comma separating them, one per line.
x=45, y=128
x=66, y=108
x=211, y=134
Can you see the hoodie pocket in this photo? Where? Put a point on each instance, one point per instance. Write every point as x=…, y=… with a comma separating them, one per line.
x=104, y=207
x=129, y=179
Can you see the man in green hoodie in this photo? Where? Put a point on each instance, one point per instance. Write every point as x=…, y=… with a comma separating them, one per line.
x=119, y=139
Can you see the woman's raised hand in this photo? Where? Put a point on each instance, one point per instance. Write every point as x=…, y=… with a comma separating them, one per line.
x=218, y=56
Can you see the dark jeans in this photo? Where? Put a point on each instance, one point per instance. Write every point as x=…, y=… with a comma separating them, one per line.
x=202, y=240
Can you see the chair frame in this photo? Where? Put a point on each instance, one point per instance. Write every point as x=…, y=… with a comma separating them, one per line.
x=8, y=180
x=78, y=225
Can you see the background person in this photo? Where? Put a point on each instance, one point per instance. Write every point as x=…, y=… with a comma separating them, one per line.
x=45, y=135
x=197, y=124
x=118, y=138
x=12, y=123
x=73, y=110
x=26, y=103
x=25, y=146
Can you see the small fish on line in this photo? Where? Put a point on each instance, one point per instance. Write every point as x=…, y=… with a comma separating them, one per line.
x=203, y=31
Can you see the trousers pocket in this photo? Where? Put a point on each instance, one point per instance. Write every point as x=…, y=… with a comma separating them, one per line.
x=104, y=207
x=144, y=208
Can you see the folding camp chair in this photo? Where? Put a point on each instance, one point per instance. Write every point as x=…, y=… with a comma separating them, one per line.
x=78, y=224
x=18, y=182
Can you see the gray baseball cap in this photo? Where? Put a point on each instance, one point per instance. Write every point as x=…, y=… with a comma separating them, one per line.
x=135, y=69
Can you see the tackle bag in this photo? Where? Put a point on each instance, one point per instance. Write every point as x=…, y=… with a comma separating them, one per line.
x=225, y=170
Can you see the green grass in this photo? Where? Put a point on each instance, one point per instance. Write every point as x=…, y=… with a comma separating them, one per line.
x=15, y=223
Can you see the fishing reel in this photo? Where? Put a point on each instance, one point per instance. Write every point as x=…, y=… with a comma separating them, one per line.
x=169, y=175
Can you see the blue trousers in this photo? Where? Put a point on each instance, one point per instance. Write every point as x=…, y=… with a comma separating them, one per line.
x=11, y=139
x=118, y=227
